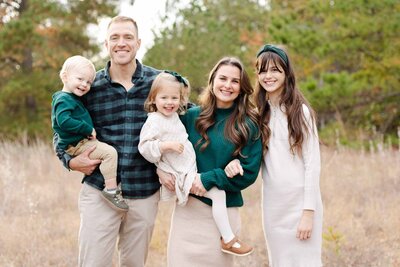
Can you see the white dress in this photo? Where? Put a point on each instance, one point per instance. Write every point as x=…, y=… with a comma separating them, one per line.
x=290, y=185
x=159, y=128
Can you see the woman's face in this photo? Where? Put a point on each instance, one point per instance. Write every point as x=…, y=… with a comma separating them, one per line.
x=226, y=85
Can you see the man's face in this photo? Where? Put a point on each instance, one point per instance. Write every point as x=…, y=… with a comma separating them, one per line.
x=122, y=42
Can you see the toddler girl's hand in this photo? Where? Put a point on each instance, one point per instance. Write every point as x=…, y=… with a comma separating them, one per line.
x=171, y=146
x=233, y=168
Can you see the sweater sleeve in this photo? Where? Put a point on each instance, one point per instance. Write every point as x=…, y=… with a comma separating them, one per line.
x=312, y=163
x=65, y=120
x=149, y=141
x=250, y=161
x=61, y=154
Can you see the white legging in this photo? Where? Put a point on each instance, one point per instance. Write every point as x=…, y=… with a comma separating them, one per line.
x=220, y=213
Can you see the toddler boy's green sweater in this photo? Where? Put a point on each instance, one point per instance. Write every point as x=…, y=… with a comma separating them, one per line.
x=70, y=119
x=212, y=161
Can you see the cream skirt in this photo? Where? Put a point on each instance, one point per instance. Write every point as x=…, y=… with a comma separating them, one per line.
x=194, y=239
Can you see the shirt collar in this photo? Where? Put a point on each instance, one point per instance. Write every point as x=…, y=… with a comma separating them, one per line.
x=138, y=72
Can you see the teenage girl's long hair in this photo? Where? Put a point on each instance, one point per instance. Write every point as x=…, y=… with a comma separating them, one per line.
x=291, y=99
x=237, y=129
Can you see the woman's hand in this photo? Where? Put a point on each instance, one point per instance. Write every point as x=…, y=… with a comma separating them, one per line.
x=166, y=179
x=305, y=226
x=233, y=168
x=197, y=187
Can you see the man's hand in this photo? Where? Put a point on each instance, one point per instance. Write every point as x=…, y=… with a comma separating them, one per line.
x=171, y=147
x=197, y=187
x=166, y=179
x=233, y=168
x=83, y=163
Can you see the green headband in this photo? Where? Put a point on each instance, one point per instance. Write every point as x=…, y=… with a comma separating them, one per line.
x=273, y=49
x=178, y=77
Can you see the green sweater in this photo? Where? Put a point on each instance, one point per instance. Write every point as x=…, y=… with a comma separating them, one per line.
x=212, y=161
x=70, y=119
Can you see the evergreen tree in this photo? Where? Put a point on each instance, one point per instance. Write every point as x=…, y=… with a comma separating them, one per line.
x=347, y=54
x=36, y=37
x=203, y=32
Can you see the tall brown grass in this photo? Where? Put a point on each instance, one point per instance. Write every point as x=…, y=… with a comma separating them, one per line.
x=39, y=217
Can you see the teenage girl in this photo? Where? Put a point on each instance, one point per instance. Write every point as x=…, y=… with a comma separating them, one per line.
x=292, y=205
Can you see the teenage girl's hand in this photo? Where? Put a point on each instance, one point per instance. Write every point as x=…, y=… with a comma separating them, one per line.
x=171, y=146
x=197, y=187
x=233, y=168
x=83, y=163
x=305, y=226
x=93, y=135
x=166, y=179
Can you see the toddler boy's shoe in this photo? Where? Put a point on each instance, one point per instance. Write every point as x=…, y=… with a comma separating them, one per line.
x=230, y=248
x=116, y=200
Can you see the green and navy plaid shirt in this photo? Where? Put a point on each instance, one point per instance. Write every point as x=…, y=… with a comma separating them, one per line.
x=118, y=117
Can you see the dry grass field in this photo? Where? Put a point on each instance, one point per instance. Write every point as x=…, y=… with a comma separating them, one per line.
x=39, y=218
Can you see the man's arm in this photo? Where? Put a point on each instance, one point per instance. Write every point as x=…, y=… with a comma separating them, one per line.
x=81, y=163
x=61, y=154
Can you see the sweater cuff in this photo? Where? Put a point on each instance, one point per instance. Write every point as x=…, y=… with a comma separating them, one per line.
x=65, y=160
x=309, y=200
x=207, y=180
x=88, y=130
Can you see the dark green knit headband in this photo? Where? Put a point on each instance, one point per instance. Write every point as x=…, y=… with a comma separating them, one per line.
x=273, y=49
x=178, y=77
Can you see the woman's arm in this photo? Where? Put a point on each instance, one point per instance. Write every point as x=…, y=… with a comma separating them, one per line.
x=250, y=163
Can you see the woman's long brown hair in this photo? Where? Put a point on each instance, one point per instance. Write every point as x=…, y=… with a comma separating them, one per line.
x=291, y=99
x=237, y=128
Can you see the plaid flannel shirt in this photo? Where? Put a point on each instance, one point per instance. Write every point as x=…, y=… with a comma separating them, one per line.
x=118, y=117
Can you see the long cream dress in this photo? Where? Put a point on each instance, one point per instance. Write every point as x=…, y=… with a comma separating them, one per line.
x=290, y=185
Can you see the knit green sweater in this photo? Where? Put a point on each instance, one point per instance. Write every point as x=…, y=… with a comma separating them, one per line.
x=212, y=161
x=70, y=119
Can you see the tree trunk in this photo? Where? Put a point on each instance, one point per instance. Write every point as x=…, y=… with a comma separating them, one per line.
x=27, y=62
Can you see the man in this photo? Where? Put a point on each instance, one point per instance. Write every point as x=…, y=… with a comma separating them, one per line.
x=115, y=103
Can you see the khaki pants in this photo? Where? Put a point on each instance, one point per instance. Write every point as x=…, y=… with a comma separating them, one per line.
x=101, y=227
x=106, y=153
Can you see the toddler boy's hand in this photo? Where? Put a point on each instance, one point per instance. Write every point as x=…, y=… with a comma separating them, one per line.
x=93, y=134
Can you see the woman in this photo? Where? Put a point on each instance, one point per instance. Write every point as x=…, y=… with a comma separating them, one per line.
x=223, y=128
x=292, y=205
